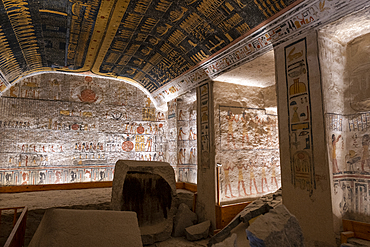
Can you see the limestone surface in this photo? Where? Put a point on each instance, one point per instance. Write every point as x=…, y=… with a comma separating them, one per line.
x=183, y=219
x=278, y=227
x=76, y=228
x=254, y=209
x=198, y=231
x=228, y=242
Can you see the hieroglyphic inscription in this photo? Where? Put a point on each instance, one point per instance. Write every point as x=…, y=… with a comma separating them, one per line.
x=299, y=116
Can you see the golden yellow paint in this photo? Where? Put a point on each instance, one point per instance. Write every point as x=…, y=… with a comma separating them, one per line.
x=242, y=29
x=142, y=6
x=163, y=5
x=79, y=35
x=261, y=8
x=114, y=23
x=8, y=64
x=208, y=7
x=2, y=87
x=176, y=37
x=199, y=56
x=21, y=22
x=271, y=6
x=87, y=114
x=101, y=23
x=64, y=112
x=52, y=12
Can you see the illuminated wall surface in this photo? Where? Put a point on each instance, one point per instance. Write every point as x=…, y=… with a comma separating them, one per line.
x=249, y=140
x=187, y=137
x=247, y=143
x=57, y=128
x=182, y=137
x=345, y=69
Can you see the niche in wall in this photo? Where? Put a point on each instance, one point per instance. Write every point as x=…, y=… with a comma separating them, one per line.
x=61, y=128
x=247, y=144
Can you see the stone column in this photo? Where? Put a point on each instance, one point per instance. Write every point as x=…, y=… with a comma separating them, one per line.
x=303, y=151
x=206, y=199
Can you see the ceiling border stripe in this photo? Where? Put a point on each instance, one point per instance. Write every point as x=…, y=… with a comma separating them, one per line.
x=101, y=23
x=115, y=20
x=302, y=17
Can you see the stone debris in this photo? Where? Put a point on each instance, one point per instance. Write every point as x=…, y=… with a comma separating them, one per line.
x=278, y=227
x=185, y=196
x=197, y=232
x=254, y=209
x=228, y=242
x=183, y=219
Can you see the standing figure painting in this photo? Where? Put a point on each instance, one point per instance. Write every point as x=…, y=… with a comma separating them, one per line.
x=333, y=154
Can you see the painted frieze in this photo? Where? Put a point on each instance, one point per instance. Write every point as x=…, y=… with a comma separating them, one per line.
x=249, y=153
x=187, y=137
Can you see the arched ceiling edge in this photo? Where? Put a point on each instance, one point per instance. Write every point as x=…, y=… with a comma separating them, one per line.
x=115, y=35
x=301, y=18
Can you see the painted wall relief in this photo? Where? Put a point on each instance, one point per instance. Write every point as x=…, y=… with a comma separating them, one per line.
x=54, y=130
x=204, y=108
x=172, y=135
x=249, y=149
x=187, y=137
x=348, y=145
x=299, y=113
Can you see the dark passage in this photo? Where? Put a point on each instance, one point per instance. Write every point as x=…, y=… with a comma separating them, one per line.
x=149, y=195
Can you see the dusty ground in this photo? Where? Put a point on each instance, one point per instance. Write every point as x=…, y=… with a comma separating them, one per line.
x=88, y=199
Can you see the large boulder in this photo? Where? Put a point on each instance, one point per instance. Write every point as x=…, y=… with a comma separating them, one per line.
x=197, y=232
x=278, y=227
x=183, y=219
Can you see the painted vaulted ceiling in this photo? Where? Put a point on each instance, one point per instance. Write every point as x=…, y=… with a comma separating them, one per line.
x=150, y=42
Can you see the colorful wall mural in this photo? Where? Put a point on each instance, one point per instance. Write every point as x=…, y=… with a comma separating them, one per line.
x=348, y=141
x=187, y=137
x=345, y=73
x=57, y=128
x=249, y=151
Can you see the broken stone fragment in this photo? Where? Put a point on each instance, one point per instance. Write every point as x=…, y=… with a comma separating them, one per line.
x=228, y=242
x=254, y=209
x=197, y=232
x=276, y=228
x=183, y=219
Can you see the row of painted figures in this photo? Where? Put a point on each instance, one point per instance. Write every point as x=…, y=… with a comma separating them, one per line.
x=356, y=158
x=55, y=176
x=250, y=169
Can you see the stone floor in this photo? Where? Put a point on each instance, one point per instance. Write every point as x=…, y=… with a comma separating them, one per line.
x=38, y=202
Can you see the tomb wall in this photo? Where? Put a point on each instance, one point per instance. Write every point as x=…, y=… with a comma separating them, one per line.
x=344, y=60
x=61, y=128
x=246, y=139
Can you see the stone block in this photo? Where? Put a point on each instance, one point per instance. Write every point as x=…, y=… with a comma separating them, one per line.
x=197, y=232
x=276, y=228
x=252, y=210
x=76, y=228
x=148, y=188
x=183, y=219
